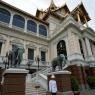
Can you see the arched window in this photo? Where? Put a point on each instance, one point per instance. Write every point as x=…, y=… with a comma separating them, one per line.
x=42, y=30
x=4, y=15
x=18, y=21
x=61, y=48
x=31, y=26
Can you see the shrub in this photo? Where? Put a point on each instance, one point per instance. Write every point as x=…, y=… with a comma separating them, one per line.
x=91, y=81
x=74, y=84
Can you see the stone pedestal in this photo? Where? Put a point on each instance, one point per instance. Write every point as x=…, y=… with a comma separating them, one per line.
x=0, y=78
x=1, y=71
x=14, y=82
x=92, y=70
x=63, y=82
x=0, y=74
x=79, y=73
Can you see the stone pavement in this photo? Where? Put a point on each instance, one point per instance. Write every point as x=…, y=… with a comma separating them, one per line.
x=88, y=92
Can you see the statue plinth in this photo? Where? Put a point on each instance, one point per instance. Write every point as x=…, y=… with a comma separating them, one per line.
x=14, y=81
x=1, y=71
x=0, y=74
x=63, y=82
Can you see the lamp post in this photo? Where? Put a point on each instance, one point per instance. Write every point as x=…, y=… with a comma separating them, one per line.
x=37, y=60
x=28, y=63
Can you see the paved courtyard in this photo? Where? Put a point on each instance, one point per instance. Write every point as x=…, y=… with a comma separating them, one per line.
x=88, y=92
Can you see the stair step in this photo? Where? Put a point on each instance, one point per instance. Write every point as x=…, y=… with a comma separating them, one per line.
x=31, y=83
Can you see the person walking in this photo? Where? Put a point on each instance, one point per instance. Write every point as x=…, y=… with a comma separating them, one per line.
x=53, y=85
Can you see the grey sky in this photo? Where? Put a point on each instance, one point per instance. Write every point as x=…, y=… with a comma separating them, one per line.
x=31, y=6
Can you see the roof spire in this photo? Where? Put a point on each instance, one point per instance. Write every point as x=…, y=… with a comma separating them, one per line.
x=52, y=6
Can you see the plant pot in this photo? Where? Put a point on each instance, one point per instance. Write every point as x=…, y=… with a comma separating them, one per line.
x=76, y=92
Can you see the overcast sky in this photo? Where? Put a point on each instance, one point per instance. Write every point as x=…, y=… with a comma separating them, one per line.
x=31, y=6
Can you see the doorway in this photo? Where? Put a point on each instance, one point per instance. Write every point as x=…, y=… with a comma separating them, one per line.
x=61, y=48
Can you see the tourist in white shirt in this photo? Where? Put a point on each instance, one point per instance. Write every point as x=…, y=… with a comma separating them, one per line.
x=53, y=85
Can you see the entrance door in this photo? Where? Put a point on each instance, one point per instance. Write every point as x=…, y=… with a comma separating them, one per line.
x=61, y=48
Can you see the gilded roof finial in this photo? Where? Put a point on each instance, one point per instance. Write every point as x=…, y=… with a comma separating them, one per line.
x=52, y=6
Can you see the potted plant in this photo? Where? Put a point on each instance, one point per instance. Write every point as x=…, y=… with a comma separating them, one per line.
x=91, y=81
x=75, y=86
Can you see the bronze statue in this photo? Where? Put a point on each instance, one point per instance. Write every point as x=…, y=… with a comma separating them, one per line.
x=15, y=57
x=59, y=61
x=20, y=55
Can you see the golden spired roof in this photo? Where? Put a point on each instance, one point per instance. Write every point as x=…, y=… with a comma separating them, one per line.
x=82, y=13
x=79, y=13
x=52, y=6
x=42, y=14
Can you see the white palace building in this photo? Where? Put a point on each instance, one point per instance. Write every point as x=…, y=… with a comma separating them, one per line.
x=49, y=33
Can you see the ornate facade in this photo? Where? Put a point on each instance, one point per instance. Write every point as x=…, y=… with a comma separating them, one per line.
x=49, y=33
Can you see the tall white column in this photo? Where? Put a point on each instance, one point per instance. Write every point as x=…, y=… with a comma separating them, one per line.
x=74, y=52
x=73, y=43
x=51, y=54
x=67, y=47
x=37, y=29
x=55, y=50
x=47, y=55
x=84, y=48
x=90, y=56
x=8, y=44
x=11, y=20
x=93, y=49
x=25, y=48
x=3, y=52
x=25, y=27
x=88, y=47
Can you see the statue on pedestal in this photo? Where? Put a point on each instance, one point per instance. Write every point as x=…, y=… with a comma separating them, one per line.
x=20, y=55
x=59, y=61
x=15, y=56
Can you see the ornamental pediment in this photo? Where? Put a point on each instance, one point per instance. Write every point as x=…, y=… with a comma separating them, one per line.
x=16, y=41
x=30, y=45
x=43, y=49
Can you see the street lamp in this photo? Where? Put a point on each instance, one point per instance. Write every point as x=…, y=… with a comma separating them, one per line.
x=37, y=59
x=29, y=64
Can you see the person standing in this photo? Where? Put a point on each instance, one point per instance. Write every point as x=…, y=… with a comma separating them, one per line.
x=53, y=85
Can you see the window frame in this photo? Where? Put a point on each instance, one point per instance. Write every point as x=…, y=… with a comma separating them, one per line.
x=42, y=30
x=32, y=56
x=6, y=15
x=44, y=56
x=32, y=24
x=18, y=21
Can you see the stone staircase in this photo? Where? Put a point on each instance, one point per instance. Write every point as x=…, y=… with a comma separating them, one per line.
x=32, y=81
x=31, y=90
x=38, y=78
